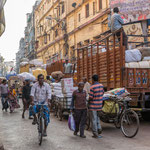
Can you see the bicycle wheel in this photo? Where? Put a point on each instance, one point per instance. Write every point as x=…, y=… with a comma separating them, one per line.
x=130, y=123
x=40, y=130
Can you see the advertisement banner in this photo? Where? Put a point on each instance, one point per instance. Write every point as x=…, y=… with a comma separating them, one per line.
x=132, y=10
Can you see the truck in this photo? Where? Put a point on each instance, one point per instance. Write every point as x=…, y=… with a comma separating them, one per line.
x=106, y=58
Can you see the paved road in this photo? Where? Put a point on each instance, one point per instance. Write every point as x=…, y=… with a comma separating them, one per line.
x=19, y=134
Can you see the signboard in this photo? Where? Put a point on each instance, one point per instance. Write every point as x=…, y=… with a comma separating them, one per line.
x=132, y=10
x=134, y=29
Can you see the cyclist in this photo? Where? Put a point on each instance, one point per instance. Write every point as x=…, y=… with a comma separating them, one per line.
x=40, y=94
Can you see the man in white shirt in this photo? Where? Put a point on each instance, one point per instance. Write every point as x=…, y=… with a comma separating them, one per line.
x=86, y=85
x=40, y=94
x=67, y=67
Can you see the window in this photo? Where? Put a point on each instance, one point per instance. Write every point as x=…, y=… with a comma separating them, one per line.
x=79, y=17
x=87, y=11
x=100, y=4
x=94, y=11
x=63, y=8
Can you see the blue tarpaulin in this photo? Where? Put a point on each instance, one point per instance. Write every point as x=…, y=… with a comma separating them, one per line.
x=10, y=75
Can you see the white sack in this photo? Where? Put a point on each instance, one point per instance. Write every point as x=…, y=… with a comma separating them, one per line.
x=133, y=55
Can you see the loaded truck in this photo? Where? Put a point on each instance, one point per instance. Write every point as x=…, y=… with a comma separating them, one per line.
x=106, y=58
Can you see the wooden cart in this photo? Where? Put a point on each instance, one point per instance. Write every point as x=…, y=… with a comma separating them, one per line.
x=63, y=107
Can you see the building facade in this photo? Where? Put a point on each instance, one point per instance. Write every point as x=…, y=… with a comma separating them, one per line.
x=30, y=34
x=62, y=25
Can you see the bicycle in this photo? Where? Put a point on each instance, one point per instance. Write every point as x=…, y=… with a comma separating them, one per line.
x=121, y=115
x=40, y=123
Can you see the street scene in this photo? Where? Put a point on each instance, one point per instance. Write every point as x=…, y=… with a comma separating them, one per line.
x=19, y=134
x=74, y=74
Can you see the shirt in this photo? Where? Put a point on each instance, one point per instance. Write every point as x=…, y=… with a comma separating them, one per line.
x=87, y=87
x=78, y=100
x=41, y=94
x=116, y=22
x=68, y=68
x=26, y=92
x=96, y=94
x=4, y=88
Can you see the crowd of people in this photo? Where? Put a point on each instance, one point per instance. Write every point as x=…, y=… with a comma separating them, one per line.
x=87, y=97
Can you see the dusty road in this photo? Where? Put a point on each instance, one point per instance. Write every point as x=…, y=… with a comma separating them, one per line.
x=19, y=134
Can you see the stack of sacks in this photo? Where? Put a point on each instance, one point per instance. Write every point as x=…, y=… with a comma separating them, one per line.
x=67, y=89
x=141, y=64
x=57, y=89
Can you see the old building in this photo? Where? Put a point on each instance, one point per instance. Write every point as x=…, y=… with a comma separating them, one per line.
x=62, y=25
x=30, y=34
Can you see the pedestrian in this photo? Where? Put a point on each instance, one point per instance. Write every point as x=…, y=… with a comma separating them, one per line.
x=40, y=94
x=80, y=109
x=26, y=97
x=86, y=85
x=116, y=24
x=4, y=92
x=67, y=67
x=95, y=105
x=12, y=99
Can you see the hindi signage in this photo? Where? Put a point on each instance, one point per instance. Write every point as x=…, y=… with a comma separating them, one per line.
x=132, y=10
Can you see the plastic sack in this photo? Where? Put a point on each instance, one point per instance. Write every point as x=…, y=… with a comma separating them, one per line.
x=119, y=92
x=133, y=55
x=71, y=122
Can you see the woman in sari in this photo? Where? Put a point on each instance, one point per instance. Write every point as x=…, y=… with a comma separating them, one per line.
x=12, y=99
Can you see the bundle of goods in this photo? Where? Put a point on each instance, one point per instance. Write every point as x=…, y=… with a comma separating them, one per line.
x=57, y=75
x=57, y=89
x=138, y=58
x=121, y=92
x=145, y=51
x=36, y=62
x=109, y=105
x=67, y=89
x=133, y=55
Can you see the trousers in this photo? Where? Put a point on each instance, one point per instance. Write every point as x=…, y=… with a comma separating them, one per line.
x=80, y=116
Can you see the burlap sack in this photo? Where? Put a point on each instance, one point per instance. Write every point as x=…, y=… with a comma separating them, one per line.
x=145, y=51
x=57, y=75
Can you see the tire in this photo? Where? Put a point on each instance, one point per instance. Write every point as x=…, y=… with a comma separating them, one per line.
x=40, y=130
x=130, y=123
x=146, y=116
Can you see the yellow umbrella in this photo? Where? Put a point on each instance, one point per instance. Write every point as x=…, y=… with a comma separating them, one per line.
x=39, y=71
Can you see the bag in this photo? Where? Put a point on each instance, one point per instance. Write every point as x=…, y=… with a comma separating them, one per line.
x=110, y=108
x=71, y=122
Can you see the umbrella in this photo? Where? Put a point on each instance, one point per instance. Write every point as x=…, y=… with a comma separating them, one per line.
x=26, y=76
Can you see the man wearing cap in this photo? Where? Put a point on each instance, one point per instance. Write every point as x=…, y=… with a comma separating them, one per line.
x=26, y=96
x=80, y=109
